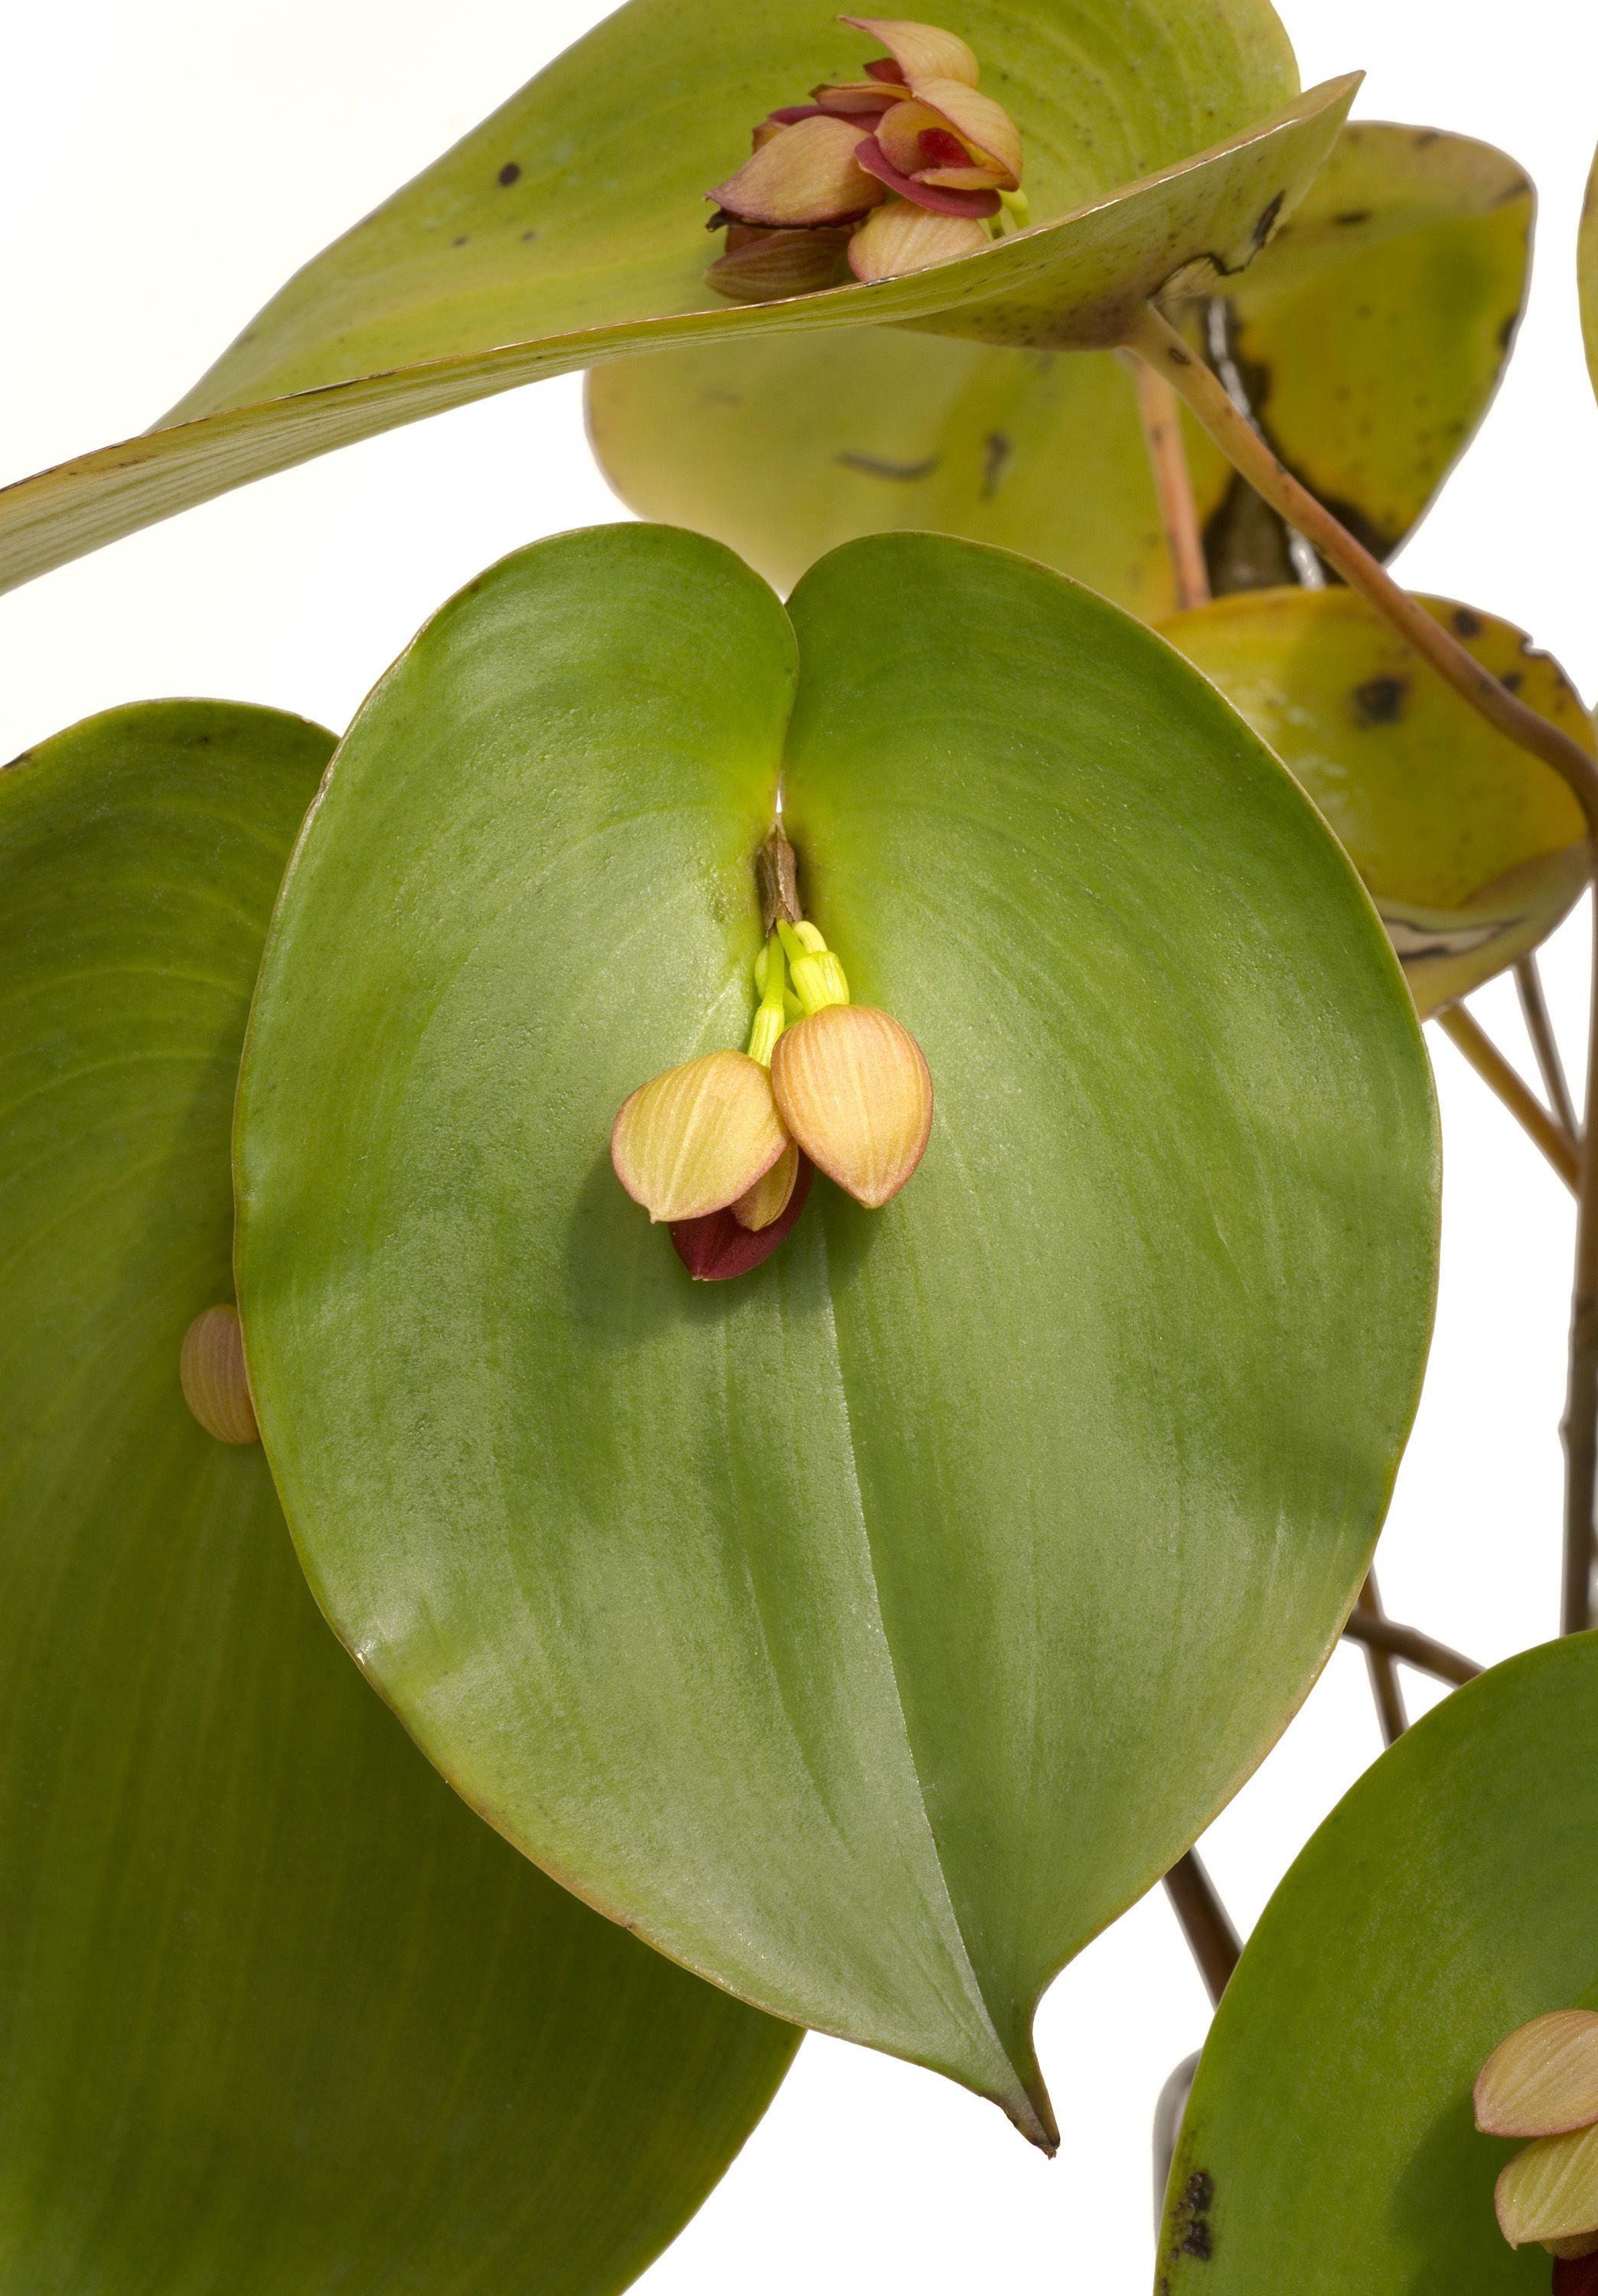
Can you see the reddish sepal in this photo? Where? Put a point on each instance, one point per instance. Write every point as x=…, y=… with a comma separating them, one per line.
x=715, y=1248
x=937, y=200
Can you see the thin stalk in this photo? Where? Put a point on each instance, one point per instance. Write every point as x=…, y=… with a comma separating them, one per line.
x=1205, y=1921
x=1407, y=1642
x=1539, y=1028
x=1385, y=1687
x=1579, y=1426
x=1156, y=341
x=1159, y=410
x=1490, y=1065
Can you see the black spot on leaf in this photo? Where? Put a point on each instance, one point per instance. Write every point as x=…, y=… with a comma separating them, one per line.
x=1467, y=624
x=995, y=454
x=1353, y=216
x=510, y=172
x=1380, y=700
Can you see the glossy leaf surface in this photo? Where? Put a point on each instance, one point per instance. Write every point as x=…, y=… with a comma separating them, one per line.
x=1370, y=333
x=278, y=2013
x=1446, y=1900
x=1472, y=849
x=568, y=229
x=870, y=1629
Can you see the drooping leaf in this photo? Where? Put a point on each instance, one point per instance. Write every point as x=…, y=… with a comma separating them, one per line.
x=1472, y=849
x=278, y=2013
x=1370, y=333
x=870, y=1629
x=1329, y=2144
x=1371, y=348
x=568, y=229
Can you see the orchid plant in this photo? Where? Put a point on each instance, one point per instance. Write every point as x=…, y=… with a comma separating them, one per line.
x=483, y=1675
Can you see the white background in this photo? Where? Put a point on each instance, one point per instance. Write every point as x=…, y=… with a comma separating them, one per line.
x=166, y=164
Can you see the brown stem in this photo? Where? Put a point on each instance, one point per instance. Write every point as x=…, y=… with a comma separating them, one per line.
x=1579, y=1426
x=1157, y=341
x=1490, y=1065
x=1385, y=1687
x=1159, y=410
x=1539, y=1028
x=1405, y=1642
x=776, y=874
x=1205, y=1921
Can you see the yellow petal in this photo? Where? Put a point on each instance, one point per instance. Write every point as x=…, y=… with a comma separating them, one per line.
x=210, y=1367
x=696, y=1137
x=921, y=50
x=1549, y=2191
x=807, y=175
x=852, y=1087
x=768, y=1199
x=902, y=237
x=1543, y=2080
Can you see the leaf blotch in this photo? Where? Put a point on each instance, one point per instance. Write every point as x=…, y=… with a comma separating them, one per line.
x=1380, y=700
x=1190, y=2218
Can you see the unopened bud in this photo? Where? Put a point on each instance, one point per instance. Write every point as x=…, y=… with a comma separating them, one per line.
x=210, y=1366
x=717, y=1247
x=818, y=978
x=852, y=1088
x=698, y=1138
x=1543, y=2080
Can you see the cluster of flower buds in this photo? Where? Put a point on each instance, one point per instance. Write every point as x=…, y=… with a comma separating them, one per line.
x=723, y=1147
x=1543, y=2083
x=888, y=174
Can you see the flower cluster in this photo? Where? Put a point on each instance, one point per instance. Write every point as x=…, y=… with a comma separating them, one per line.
x=723, y=1147
x=1543, y=2083
x=890, y=173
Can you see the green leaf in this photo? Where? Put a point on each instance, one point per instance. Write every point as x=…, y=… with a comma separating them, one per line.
x=1370, y=333
x=1472, y=849
x=567, y=229
x=1447, y=1899
x=277, y=2012
x=1371, y=346
x=871, y=1631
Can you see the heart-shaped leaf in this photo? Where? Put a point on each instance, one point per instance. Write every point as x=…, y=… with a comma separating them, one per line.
x=1472, y=849
x=1330, y=2142
x=1370, y=333
x=869, y=1630
x=278, y=2012
x=567, y=229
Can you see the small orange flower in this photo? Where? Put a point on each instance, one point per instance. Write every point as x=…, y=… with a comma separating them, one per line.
x=902, y=168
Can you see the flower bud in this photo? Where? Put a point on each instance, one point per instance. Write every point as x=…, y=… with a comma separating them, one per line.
x=1543, y=2080
x=718, y=1246
x=1549, y=2191
x=903, y=237
x=852, y=1088
x=210, y=1367
x=698, y=1138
